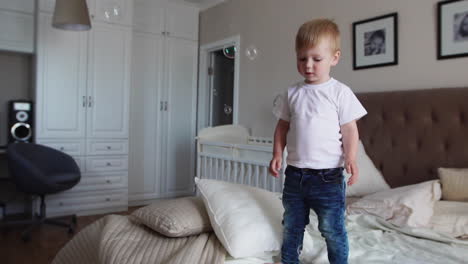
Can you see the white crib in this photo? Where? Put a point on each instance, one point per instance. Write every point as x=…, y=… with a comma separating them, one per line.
x=230, y=154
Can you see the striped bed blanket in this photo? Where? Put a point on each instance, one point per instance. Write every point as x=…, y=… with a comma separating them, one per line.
x=115, y=239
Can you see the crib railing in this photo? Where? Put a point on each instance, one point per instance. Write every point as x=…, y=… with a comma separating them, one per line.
x=242, y=164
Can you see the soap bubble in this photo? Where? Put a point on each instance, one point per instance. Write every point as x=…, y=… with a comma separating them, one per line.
x=251, y=52
x=230, y=51
x=107, y=15
x=116, y=10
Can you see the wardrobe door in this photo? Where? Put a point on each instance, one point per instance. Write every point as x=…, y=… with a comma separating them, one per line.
x=181, y=79
x=61, y=81
x=149, y=16
x=113, y=11
x=182, y=21
x=108, y=81
x=145, y=108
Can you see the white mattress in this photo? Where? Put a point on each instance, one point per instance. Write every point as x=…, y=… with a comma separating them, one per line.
x=373, y=240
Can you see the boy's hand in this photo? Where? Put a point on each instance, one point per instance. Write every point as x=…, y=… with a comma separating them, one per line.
x=352, y=169
x=275, y=166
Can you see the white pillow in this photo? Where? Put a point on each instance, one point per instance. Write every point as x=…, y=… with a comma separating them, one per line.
x=454, y=184
x=370, y=179
x=246, y=220
x=411, y=205
x=451, y=217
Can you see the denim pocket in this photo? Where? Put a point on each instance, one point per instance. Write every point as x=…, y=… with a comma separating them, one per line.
x=292, y=179
x=333, y=176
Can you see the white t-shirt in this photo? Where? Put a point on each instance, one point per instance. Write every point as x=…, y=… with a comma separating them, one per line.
x=315, y=114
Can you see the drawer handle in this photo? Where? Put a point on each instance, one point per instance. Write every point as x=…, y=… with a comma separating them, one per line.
x=109, y=164
x=107, y=199
x=108, y=181
x=60, y=203
x=108, y=147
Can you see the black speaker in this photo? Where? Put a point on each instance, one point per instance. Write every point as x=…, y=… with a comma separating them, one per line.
x=20, y=121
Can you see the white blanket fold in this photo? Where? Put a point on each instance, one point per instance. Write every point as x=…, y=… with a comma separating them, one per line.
x=411, y=205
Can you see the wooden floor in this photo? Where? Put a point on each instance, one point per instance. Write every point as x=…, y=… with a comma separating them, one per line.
x=45, y=242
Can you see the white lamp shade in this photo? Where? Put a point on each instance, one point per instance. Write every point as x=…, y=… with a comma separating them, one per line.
x=71, y=15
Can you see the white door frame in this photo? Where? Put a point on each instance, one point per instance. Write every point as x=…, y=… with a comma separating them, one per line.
x=204, y=80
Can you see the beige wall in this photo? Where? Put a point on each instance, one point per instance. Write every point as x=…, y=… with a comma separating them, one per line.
x=271, y=25
x=16, y=83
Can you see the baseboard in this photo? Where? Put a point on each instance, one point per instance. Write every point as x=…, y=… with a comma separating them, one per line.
x=14, y=208
x=149, y=200
x=141, y=202
x=103, y=211
x=92, y=212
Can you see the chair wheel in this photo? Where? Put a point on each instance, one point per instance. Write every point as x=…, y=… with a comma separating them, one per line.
x=71, y=230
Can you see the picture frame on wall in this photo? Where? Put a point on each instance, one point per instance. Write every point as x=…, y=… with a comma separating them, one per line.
x=375, y=42
x=452, y=30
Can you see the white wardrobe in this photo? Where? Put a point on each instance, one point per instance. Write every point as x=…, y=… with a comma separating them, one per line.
x=121, y=101
x=163, y=101
x=17, y=25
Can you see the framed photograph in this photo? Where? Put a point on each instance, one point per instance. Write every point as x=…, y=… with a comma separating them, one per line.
x=452, y=29
x=375, y=42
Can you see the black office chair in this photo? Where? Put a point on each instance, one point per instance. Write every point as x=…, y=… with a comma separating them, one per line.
x=40, y=170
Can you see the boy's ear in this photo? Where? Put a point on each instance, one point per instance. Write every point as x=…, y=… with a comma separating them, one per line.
x=336, y=58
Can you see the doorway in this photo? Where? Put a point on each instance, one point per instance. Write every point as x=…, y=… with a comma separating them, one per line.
x=218, y=83
x=221, y=73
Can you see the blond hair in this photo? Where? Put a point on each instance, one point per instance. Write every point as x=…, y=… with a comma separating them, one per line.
x=313, y=31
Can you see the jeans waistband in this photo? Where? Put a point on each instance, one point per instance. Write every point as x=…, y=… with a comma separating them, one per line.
x=312, y=170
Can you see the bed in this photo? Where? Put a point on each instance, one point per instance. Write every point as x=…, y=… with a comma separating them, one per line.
x=408, y=135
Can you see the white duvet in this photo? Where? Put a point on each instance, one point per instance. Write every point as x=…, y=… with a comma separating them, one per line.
x=392, y=226
x=374, y=240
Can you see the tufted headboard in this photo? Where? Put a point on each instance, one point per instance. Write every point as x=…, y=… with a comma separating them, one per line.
x=409, y=134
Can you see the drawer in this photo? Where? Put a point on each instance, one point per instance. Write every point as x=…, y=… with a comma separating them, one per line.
x=71, y=147
x=63, y=203
x=102, y=181
x=107, y=147
x=107, y=163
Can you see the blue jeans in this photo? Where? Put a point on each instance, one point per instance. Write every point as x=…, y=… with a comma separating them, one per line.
x=324, y=192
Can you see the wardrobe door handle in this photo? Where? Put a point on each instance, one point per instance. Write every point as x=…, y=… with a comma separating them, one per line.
x=84, y=101
x=90, y=101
